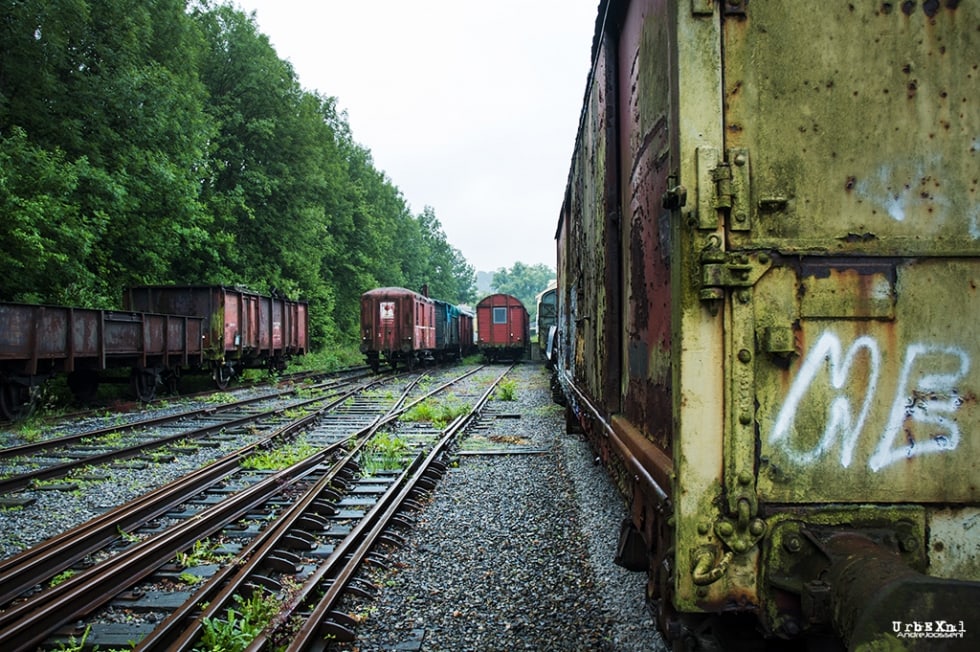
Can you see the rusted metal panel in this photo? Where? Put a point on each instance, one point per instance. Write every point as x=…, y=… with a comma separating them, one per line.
x=43, y=339
x=861, y=120
x=880, y=389
x=242, y=325
x=643, y=91
x=794, y=185
x=593, y=272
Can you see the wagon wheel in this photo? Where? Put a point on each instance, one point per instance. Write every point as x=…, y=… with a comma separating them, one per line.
x=84, y=385
x=171, y=380
x=17, y=402
x=144, y=384
x=222, y=375
x=277, y=365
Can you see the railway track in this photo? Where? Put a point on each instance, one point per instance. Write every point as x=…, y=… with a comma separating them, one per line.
x=32, y=463
x=292, y=537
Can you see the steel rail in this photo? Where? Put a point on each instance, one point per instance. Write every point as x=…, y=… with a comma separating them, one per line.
x=359, y=543
x=24, y=480
x=23, y=450
x=45, y=560
x=30, y=622
x=183, y=628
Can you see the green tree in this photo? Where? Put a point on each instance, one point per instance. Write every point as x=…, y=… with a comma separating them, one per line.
x=446, y=272
x=523, y=281
x=105, y=90
x=46, y=237
x=145, y=142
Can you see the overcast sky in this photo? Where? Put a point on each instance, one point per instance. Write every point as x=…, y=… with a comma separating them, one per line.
x=468, y=107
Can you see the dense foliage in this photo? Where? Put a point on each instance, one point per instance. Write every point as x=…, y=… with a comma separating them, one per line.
x=156, y=141
x=523, y=281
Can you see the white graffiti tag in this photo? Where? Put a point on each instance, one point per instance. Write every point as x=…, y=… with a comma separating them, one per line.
x=921, y=396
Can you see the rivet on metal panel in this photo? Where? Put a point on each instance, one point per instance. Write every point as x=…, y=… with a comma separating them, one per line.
x=745, y=418
x=908, y=543
x=793, y=543
x=745, y=356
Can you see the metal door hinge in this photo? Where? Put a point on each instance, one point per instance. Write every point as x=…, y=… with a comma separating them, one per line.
x=723, y=188
x=721, y=271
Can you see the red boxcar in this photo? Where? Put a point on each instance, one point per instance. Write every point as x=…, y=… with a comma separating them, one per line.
x=502, y=326
x=397, y=325
x=244, y=329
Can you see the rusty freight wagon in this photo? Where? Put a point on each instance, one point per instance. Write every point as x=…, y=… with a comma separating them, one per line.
x=242, y=328
x=397, y=325
x=38, y=342
x=503, y=327
x=769, y=313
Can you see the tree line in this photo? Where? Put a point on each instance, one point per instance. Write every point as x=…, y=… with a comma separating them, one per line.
x=165, y=141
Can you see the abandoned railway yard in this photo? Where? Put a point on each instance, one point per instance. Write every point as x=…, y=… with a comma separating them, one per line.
x=503, y=540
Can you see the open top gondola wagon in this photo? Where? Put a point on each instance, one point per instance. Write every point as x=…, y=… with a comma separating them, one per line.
x=38, y=342
x=242, y=328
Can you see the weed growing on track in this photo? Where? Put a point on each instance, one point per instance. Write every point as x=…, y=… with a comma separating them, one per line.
x=241, y=625
x=439, y=412
x=62, y=576
x=219, y=398
x=30, y=431
x=204, y=551
x=74, y=645
x=384, y=452
x=275, y=459
x=506, y=390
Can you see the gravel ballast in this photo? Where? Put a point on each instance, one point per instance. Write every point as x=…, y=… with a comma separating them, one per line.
x=512, y=552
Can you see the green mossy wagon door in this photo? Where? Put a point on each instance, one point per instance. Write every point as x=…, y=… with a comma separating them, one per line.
x=853, y=135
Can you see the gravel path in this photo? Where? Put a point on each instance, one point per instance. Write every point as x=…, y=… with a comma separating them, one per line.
x=513, y=552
